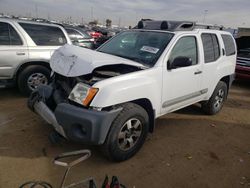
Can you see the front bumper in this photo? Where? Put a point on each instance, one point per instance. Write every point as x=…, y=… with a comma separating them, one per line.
x=72, y=122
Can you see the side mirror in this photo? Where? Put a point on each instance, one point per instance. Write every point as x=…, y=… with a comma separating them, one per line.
x=180, y=62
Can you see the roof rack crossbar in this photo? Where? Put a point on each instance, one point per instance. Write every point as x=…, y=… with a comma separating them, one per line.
x=209, y=26
x=174, y=25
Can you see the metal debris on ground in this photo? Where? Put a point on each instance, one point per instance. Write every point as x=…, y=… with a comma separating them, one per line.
x=189, y=157
x=241, y=160
x=212, y=125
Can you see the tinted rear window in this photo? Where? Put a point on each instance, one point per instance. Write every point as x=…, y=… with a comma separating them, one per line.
x=44, y=35
x=229, y=44
x=4, y=34
x=211, y=47
x=8, y=35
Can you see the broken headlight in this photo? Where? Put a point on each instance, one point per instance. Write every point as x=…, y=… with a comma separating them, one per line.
x=82, y=94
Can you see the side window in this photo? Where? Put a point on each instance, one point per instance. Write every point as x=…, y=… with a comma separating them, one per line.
x=14, y=37
x=4, y=34
x=185, y=47
x=44, y=35
x=8, y=35
x=229, y=44
x=211, y=47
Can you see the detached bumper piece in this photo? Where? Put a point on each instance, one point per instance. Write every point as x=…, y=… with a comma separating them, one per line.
x=72, y=122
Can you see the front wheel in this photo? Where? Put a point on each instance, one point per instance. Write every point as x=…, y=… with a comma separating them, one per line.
x=31, y=77
x=127, y=133
x=216, y=101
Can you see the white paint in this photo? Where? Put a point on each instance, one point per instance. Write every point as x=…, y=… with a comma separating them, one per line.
x=159, y=85
x=74, y=61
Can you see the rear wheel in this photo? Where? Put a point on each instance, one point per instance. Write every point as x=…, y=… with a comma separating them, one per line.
x=216, y=101
x=127, y=134
x=31, y=77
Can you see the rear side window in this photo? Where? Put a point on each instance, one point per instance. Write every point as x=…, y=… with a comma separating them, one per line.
x=229, y=44
x=44, y=35
x=211, y=47
x=8, y=35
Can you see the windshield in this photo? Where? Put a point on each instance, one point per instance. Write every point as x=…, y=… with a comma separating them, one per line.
x=144, y=47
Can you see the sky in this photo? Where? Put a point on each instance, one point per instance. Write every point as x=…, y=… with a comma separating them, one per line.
x=230, y=13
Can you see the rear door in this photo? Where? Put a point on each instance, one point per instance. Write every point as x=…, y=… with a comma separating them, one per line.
x=213, y=61
x=45, y=39
x=182, y=85
x=13, y=49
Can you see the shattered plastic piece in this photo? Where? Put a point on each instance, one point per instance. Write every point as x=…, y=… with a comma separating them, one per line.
x=189, y=157
x=72, y=61
x=212, y=125
x=241, y=160
x=243, y=178
x=242, y=183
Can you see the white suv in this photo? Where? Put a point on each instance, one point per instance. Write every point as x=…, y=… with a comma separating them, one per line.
x=25, y=51
x=112, y=96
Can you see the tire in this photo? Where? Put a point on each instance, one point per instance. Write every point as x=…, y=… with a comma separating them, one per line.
x=31, y=77
x=216, y=101
x=115, y=148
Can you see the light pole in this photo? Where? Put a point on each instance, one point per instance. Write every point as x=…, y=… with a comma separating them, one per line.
x=205, y=14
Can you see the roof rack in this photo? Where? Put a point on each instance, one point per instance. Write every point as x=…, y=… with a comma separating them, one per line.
x=174, y=25
x=208, y=26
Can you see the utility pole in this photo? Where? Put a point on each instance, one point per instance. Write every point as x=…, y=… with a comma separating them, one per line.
x=205, y=14
x=92, y=19
x=119, y=23
x=36, y=10
x=48, y=16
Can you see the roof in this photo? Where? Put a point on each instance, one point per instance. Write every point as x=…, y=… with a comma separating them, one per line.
x=28, y=22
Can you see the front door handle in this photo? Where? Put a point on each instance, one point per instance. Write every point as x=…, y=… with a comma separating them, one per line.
x=20, y=53
x=198, y=72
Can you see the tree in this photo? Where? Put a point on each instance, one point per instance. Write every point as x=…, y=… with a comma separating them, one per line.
x=108, y=22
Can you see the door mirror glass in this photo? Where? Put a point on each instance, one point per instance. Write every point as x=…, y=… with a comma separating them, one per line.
x=180, y=62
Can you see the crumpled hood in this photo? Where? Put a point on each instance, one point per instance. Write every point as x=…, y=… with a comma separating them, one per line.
x=72, y=61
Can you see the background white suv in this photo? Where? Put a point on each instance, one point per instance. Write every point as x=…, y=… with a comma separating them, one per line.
x=25, y=51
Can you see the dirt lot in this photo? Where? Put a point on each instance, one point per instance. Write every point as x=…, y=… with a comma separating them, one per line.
x=188, y=148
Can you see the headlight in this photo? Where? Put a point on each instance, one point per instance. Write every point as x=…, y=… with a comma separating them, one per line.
x=82, y=94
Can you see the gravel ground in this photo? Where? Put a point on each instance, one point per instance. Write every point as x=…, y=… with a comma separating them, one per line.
x=187, y=149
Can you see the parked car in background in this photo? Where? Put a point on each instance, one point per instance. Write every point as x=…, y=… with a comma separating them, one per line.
x=25, y=51
x=94, y=34
x=243, y=56
x=106, y=35
x=80, y=37
x=243, y=64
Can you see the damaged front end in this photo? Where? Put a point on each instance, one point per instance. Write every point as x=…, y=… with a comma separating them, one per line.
x=65, y=102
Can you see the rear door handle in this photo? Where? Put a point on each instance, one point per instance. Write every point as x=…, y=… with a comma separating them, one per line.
x=20, y=53
x=198, y=72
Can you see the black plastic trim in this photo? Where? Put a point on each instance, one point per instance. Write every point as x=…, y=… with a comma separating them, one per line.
x=85, y=125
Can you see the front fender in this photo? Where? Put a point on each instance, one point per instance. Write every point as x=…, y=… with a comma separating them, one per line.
x=129, y=87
